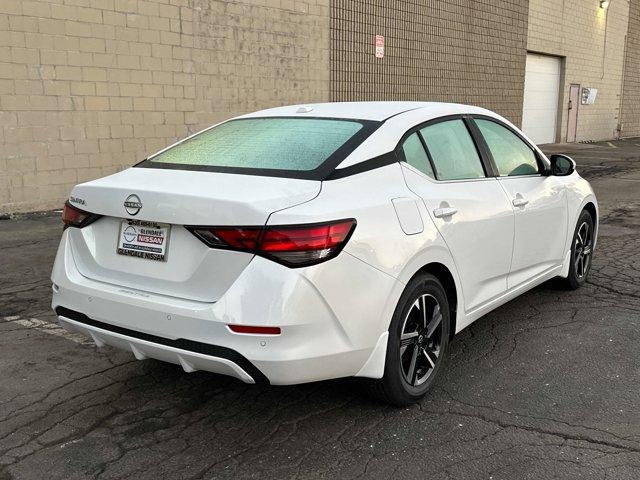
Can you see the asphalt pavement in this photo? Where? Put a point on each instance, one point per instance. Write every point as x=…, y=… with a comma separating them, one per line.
x=544, y=387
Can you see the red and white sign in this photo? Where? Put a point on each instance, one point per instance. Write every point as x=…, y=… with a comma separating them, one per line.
x=379, y=46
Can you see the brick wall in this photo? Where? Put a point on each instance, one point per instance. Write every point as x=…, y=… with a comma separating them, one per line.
x=88, y=87
x=592, y=41
x=630, y=115
x=466, y=51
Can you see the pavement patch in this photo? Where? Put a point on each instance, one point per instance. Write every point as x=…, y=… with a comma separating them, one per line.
x=48, y=327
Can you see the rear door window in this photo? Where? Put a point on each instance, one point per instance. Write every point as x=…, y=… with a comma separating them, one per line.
x=452, y=151
x=416, y=156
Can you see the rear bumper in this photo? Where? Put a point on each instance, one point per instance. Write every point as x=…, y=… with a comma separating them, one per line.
x=329, y=329
x=190, y=355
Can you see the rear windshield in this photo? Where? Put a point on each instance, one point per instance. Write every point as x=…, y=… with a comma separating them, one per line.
x=291, y=144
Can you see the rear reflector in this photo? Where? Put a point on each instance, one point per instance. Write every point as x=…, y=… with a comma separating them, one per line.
x=254, y=330
x=74, y=217
x=290, y=245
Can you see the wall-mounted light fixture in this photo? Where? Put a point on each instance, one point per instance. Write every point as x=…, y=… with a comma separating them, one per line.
x=604, y=3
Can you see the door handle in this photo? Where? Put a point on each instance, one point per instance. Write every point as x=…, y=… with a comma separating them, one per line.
x=444, y=212
x=519, y=202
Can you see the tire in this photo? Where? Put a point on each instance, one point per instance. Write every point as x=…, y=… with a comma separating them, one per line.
x=581, y=252
x=412, y=343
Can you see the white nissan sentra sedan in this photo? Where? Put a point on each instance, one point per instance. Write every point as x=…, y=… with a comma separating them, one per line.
x=305, y=243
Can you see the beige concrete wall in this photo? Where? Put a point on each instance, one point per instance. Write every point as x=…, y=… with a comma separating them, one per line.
x=88, y=87
x=630, y=115
x=592, y=41
x=466, y=51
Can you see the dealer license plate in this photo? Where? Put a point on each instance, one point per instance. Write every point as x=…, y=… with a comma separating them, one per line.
x=144, y=239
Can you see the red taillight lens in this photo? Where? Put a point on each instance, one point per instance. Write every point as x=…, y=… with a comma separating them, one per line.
x=239, y=238
x=74, y=217
x=305, y=245
x=302, y=238
x=291, y=245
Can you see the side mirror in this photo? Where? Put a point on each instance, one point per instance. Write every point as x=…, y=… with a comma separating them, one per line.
x=561, y=165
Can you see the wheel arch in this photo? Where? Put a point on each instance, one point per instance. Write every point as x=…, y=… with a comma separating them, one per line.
x=580, y=196
x=442, y=273
x=593, y=211
x=590, y=204
x=438, y=261
x=591, y=208
x=577, y=204
x=374, y=366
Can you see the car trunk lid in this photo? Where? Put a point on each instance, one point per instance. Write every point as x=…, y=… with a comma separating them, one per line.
x=173, y=199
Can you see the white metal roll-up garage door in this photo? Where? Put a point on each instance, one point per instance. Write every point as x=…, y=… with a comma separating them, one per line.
x=541, y=90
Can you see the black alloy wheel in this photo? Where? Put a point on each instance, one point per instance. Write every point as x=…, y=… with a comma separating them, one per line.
x=417, y=344
x=420, y=340
x=581, y=251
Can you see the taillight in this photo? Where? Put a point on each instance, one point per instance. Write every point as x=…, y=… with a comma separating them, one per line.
x=305, y=244
x=74, y=217
x=290, y=245
x=240, y=238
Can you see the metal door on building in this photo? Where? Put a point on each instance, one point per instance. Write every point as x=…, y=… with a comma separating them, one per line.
x=541, y=93
x=572, y=118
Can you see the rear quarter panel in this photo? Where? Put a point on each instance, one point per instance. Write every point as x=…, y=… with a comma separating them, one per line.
x=378, y=240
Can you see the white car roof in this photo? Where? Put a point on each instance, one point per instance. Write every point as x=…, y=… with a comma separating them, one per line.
x=398, y=117
x=364, y=110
